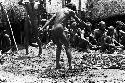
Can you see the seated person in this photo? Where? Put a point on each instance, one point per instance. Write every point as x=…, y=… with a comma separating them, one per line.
x=109, y=42
x=84, y=43
x=100, y=32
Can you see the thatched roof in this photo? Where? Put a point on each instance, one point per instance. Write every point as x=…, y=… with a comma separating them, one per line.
x=106, y=8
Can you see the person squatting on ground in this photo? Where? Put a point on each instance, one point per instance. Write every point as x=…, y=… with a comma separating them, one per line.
x=84, y=43
x=100, y=32
x=110, y=42
x=58, y=33
x=120, y=27
x=32, y=17
x=74, y=36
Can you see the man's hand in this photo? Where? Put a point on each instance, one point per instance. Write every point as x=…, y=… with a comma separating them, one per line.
x=66, y=30
x=83, y=24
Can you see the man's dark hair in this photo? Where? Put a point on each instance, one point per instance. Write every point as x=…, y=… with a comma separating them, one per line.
x=71, y=6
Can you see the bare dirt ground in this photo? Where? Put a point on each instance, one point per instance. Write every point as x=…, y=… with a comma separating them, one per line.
x=87, y=68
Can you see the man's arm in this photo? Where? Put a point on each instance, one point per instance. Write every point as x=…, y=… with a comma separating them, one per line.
x=77, y=18
x=49, y=21
x=121, y=31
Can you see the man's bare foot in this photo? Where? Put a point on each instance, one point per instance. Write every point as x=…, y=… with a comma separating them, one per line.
x=40, y=52
x=39, y=55
x=27, y=53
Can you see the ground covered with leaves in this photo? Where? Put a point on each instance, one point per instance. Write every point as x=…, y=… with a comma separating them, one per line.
x=92, y=67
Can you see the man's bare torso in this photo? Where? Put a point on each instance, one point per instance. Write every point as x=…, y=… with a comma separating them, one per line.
x=62, y=16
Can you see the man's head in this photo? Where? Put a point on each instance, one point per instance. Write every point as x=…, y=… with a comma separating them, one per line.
x=71, y=6
x=88, y=26
x=111, y=30
x=102, y=25
x=36, y=4
x=120, y=24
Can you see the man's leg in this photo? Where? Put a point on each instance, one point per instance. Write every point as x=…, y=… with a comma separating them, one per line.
x=35, y=29
x=39, y=42
x=104, y=47
x=26, y=32
x=68, y=51
x=55, y=39
x=83, y=44
x=58, y=52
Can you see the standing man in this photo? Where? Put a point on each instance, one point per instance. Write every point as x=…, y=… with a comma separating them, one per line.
x=59, y=36
x=31, y=7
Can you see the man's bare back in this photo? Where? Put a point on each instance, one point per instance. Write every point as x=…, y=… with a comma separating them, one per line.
x=61, y=19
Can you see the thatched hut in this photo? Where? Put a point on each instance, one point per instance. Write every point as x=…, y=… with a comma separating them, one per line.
x=108, y=10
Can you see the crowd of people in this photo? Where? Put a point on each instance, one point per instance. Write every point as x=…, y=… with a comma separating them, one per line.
x=103, y=38
x=82, y=36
